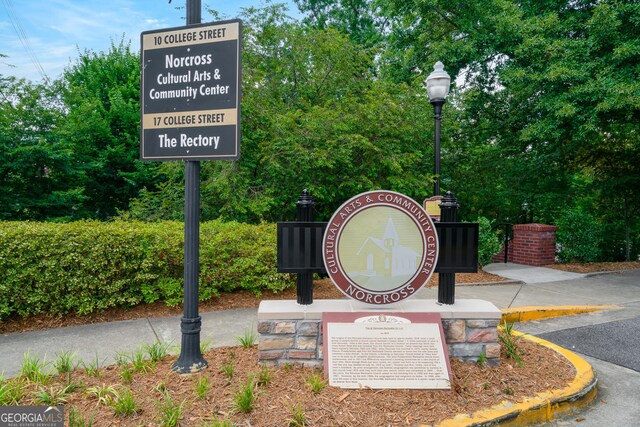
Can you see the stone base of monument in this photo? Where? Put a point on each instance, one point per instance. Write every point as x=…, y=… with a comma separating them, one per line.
x=292, y=334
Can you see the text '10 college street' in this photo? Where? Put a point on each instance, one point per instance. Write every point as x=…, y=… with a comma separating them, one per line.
x=190, y=92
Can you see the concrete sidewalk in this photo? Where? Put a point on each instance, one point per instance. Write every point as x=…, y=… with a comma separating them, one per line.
x=536, y=286
x=104, y=340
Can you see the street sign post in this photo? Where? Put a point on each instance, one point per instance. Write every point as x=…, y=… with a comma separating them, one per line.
x=190, y=92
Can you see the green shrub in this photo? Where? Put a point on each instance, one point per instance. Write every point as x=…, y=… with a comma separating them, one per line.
x=87, y=266
x=579, y=236
x=489, y=243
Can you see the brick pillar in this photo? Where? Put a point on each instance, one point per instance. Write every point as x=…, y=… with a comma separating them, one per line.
x=532, y=244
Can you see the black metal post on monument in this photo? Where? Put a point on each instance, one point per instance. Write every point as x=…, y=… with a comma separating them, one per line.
x=304, y=213
x=191, y=359
x=447, y=281
x=437, y=109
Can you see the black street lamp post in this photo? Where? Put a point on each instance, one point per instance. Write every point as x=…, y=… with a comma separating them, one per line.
x=438, y=84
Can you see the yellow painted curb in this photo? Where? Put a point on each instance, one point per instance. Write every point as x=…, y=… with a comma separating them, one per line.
x=525, y=314
x=542, y=407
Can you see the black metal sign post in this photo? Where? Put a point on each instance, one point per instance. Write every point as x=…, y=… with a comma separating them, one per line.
x=447, y=281
x=190, y=99
x=191, y=359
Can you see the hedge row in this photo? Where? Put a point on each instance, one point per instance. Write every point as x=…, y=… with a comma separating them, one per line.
x=87, y=266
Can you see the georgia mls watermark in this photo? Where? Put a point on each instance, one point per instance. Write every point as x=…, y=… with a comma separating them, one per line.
x=32, y=416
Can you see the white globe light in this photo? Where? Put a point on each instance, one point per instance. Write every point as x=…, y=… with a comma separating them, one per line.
x=438, y=83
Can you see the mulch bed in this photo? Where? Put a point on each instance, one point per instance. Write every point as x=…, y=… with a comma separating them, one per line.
x=596, y=267
x=473, y=388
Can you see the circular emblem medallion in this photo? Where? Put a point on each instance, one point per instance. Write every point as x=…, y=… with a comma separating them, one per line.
x=380, y=247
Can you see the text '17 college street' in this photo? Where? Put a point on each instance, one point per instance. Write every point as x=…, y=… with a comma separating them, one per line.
x=190, y=92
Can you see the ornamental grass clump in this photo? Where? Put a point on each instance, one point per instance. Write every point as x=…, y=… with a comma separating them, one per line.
x=245, y=396
x=510, y=343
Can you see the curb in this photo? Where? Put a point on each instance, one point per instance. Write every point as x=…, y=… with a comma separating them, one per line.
x=603, y=273
x=542, y=407
x=503, y=282
x=524, y=314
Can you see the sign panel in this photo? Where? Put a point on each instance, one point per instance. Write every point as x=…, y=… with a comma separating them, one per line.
x=390, y=350
x=190, y=92
x=300, y=247
x=380, y=247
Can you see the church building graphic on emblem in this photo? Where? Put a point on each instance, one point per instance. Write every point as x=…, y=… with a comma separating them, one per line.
x=386, y=256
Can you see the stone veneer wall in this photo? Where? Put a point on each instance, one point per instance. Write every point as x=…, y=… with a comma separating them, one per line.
x=291, y=341
x=300, y=341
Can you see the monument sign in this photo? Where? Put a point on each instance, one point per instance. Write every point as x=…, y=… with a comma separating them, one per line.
x=190, y=92
x=380, y=247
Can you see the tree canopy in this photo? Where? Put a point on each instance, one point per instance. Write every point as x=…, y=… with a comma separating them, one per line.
x=542, y=120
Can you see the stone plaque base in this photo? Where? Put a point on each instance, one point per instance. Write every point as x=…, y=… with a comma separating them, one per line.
x=292, y=334
x=386, y=351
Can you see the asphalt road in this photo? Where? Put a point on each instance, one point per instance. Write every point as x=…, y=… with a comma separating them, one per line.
x=616, y=342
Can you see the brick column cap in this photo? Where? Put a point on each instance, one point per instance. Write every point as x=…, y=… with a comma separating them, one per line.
x=535, y=227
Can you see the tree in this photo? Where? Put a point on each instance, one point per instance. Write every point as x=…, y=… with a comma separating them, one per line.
x=354, y=18
x=102, y=97
x=551, y=88
x=38, y=177
x=314, y=117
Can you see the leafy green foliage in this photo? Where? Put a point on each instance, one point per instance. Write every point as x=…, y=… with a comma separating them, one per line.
x=38, y=174
x=126, y=374
x=170, y=411
x=35, y=369
x=510, y=343
x=316, y=383
x=248, y=339
x=65, y=362
x=124, y=403
x=265, y=376
x=482, y=360
x=546, y=96
x=139, y=362
x=87, y=266
x=104, y=394
x=50, y=396
x=11, y=391
x=489, y=242
x=202, y=387
x=157, y=351
x=245, y=396
x=92, y=368
x=227, y=369
x=76, y=419
x=313, y=117
x=102, y=96
x=544, y=110
x=353, y=18
x=298, y=418
x=579, y=236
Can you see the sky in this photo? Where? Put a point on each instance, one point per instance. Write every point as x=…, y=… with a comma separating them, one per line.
x=51, y=32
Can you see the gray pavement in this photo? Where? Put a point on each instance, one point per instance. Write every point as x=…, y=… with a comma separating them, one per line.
x=102, y=341
x=617, y=403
